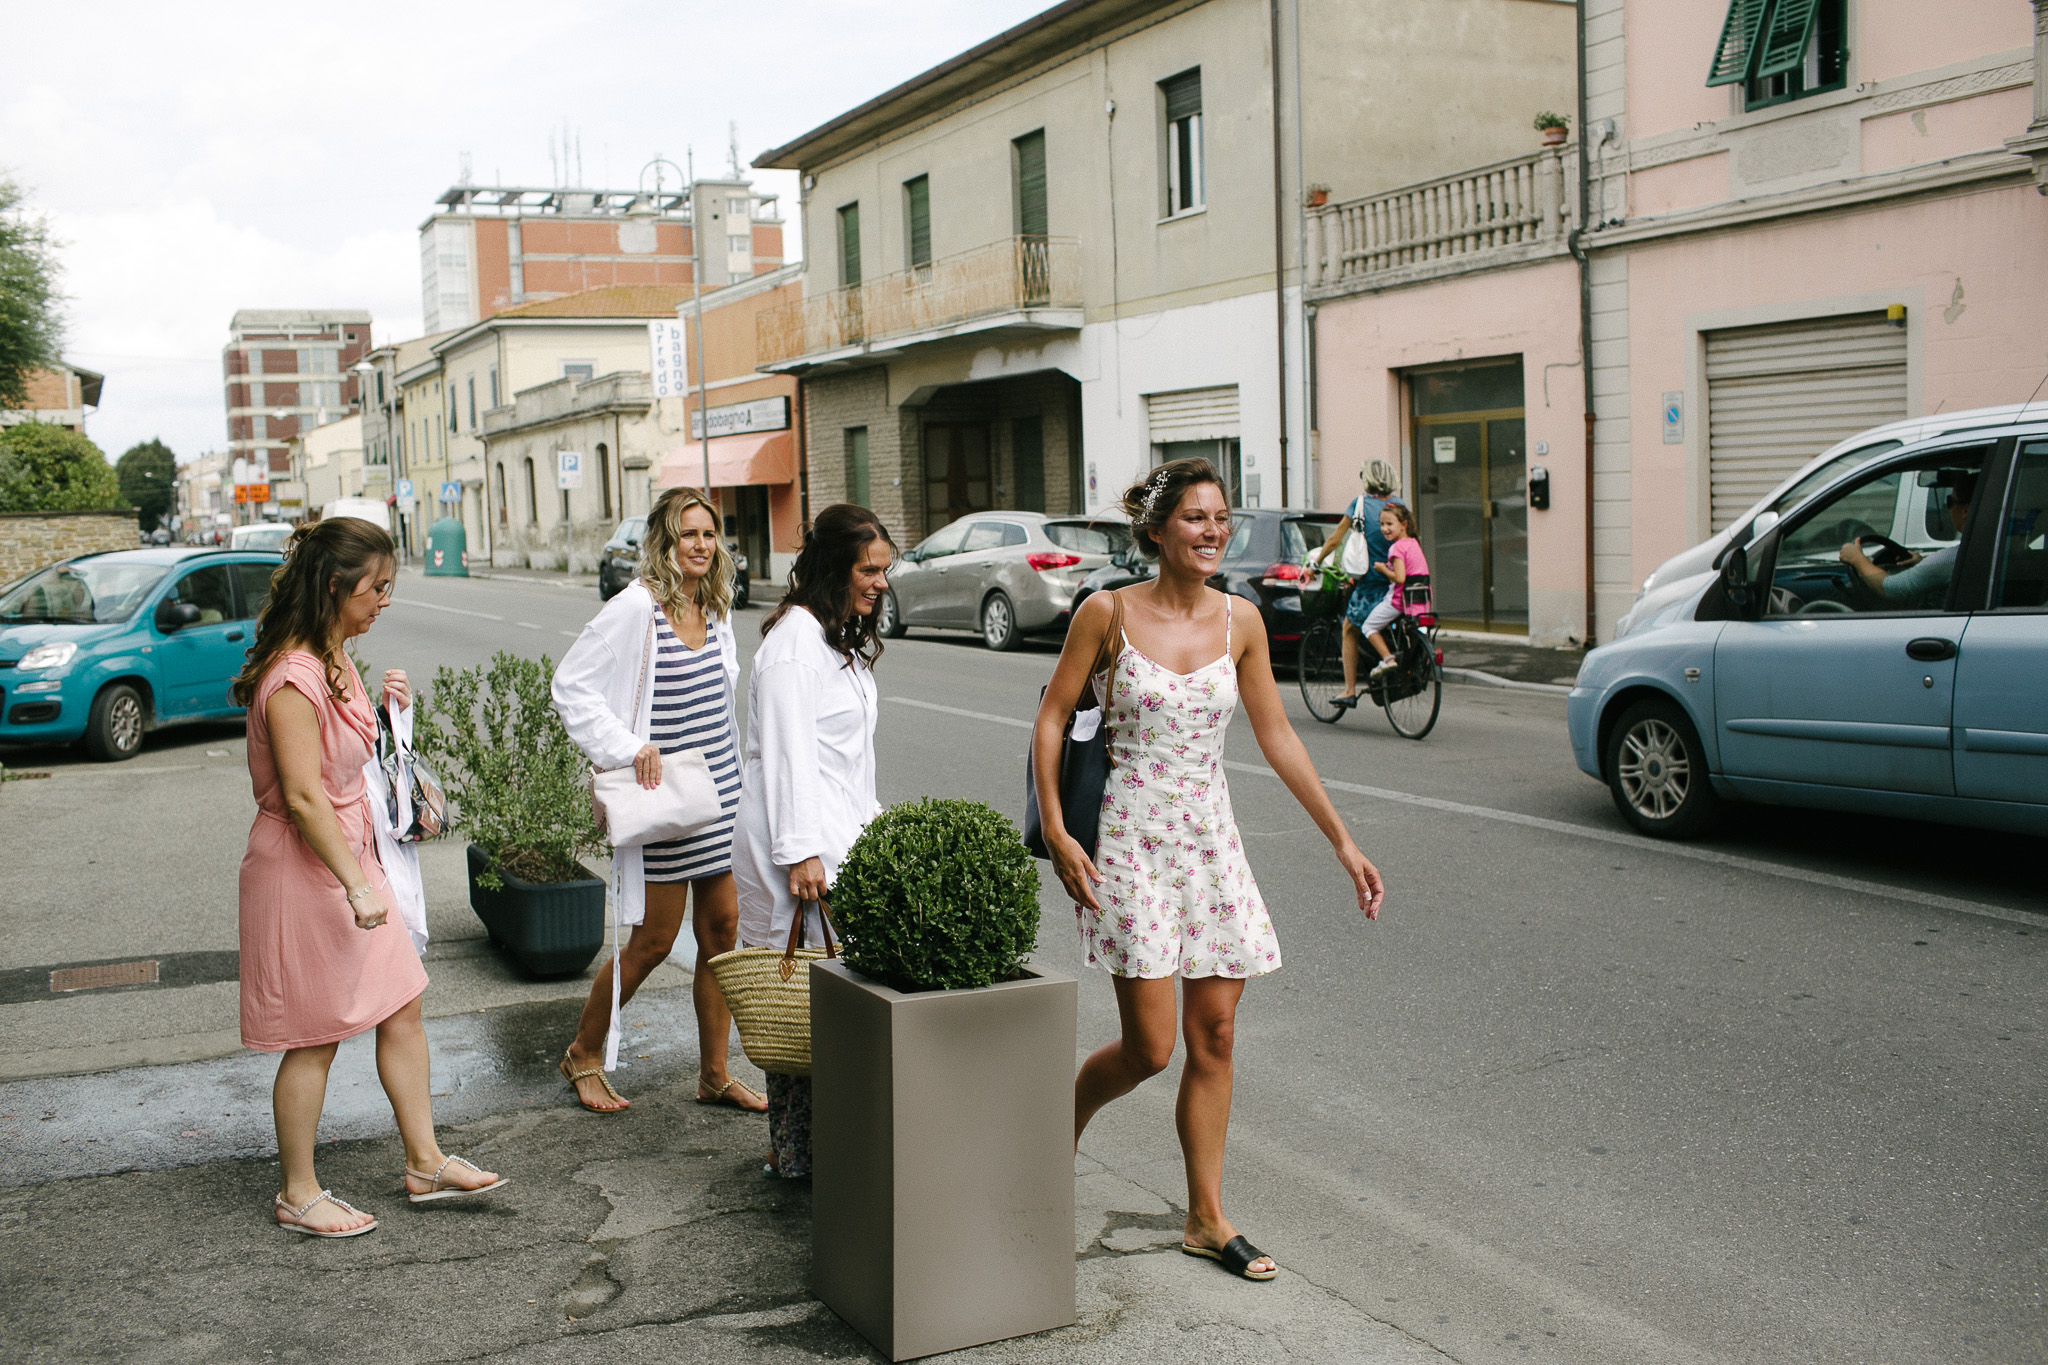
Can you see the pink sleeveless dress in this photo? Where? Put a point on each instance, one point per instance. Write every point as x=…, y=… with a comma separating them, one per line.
x=309, y=975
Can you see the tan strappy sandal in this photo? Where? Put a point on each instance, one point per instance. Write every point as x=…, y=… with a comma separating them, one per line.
x=294, y=1218
x=436, y=1191
x=572, y=1075
x=723, y=1095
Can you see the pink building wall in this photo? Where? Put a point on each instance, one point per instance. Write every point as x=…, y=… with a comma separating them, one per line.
x=1364, y=343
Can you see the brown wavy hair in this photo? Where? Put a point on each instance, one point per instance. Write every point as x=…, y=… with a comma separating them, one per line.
x=1150, y=502
x=713, y=592
x=821, y=580
x=1403, y=515
x=324, y=563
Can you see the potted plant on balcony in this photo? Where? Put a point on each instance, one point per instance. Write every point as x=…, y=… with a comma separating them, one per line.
x=1554, y=127
x=520, y=790
x=1315, y=196
x=942, y=1073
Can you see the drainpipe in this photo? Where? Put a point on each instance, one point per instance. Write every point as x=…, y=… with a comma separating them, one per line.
x=1578, y=250
x=1279, y=249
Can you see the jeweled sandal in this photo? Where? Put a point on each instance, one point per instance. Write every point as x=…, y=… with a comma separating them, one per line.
x=572, y=1075
x=295, y=1219
x=453, y=1191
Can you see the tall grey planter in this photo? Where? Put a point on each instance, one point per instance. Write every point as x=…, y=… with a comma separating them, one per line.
x=942, y=1167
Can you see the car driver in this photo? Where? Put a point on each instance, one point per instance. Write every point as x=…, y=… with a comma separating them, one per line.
x=1917, y=580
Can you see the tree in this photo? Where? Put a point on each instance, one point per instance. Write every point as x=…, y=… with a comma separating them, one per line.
x=45, y=468
x=148, y=473
x=31, y=328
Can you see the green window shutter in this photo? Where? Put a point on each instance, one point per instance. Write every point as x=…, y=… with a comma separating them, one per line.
x=1184, y=92
x=1738, y=40
x=1785, y=35
x=849, y=245
x=918, y=201
x=1031, y=211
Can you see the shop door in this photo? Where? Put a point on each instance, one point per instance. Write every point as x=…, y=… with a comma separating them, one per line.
x=1471, y=495
x=747, y=525
x=956, y=472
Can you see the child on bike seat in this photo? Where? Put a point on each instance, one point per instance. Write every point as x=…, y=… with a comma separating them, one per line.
x=1404, y=561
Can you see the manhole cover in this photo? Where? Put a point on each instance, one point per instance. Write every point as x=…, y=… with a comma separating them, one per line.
x=106, y=974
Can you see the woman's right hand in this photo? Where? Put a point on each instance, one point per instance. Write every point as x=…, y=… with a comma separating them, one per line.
x=370, y=908
x=1077, y=872
x=647, y=767
x=807, y=881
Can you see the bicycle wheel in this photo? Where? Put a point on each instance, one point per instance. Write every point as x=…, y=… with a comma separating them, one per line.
x=1321, y=670
x=1412, y=704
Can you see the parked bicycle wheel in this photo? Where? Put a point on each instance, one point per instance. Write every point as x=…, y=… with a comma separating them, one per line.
x=1415, y=691
x=1321, y=669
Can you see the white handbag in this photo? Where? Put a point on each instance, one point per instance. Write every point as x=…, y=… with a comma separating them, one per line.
x=1356, y=554
x=685, y=802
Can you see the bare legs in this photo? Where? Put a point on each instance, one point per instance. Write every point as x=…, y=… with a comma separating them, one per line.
x=1350, y=660
x=1202, y=1110
x=300, y=1092
x=716, y=924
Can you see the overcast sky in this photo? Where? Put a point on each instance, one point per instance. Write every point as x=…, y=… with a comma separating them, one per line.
x=197, y=160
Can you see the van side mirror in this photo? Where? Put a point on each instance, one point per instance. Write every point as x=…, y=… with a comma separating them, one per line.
x=175, y=616
x=1735, y=577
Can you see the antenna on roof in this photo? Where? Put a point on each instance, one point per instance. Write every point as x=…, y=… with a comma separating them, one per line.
x=464, y=180
x=2029, y=403
x=732, y=133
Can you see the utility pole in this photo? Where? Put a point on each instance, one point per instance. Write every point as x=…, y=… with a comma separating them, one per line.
x=697, y=308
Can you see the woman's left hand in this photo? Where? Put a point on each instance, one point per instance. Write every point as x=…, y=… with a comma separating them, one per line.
x=397, y=688
x=1372, y=893
x=807, y=881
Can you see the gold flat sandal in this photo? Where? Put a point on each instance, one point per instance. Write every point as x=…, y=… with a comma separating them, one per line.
x=572, y=1075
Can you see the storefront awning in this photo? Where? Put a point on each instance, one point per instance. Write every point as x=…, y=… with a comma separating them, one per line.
x=754, y=457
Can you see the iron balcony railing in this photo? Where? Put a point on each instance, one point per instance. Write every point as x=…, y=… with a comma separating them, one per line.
x=1016, y=274
x=1512, y=208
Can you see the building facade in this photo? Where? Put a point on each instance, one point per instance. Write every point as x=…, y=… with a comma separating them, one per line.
x=1060, y=258
x=286, y=371
x=63, y=395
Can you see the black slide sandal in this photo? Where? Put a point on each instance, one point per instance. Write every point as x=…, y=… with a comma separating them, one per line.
x=1237, y=1255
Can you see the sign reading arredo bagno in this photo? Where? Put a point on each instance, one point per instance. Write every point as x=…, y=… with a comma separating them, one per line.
x=763, y=414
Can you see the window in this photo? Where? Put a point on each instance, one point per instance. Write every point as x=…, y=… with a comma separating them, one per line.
x=849, y=245
x=582, y=371
x=208, y=590
x=2022, y=580
x=493, y=374
x=255, y=586
x=471, y=383
x=917, y=218
x=259, y=427
x=451, y=413
x=504, y=513
x=532, y=496
x=1185, y=191
x=857, y=466
x=736, y=207
x=942, y=542
x=380, y=388
x=1088, y=537
x=1779, y=50
x=1887, y=543
x=738, y=244
x=604, y=481
x=1030, y=159
x=986, y=535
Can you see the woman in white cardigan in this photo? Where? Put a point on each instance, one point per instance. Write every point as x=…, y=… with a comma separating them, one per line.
x=809, y=785
x=653, y=674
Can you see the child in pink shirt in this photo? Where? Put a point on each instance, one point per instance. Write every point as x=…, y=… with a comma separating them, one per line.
x=1404, y=561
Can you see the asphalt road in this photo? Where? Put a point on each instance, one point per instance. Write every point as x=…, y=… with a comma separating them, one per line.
x=1578, y=1097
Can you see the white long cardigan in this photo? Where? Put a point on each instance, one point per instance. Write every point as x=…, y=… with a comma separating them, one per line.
x=593, y=693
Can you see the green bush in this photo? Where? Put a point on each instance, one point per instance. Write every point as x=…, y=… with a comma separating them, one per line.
x=45, y=468
x=937, y=895
x=519, y=787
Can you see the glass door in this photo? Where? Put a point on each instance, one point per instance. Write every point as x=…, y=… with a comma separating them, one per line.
x=1470, y=494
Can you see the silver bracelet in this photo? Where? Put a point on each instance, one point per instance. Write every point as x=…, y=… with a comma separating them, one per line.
x=361, y=891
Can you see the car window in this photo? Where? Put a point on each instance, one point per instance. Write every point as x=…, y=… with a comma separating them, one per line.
x=2023, y=545
x=1240, y=540
x=1088, y=537
x=984, y=535
x=1868, y=547
x=1015, y=535
x=1303, y=535
x=944, y=541
x=1829, y=472
x=207, y=589
x=83, y=592
x=255, y=585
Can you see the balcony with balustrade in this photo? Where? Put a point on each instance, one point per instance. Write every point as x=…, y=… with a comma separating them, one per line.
x=1010, y=288
x=1504, y=214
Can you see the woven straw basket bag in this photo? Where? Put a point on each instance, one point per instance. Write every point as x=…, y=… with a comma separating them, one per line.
x=769, y=994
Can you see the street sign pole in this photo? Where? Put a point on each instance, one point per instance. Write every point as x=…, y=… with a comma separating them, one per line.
x=697, y=307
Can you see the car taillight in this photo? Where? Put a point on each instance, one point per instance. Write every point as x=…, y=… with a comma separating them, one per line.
x=1282, y=576
x=1042, y=560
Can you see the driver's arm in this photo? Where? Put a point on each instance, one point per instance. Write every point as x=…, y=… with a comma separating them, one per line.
x=1872, y=576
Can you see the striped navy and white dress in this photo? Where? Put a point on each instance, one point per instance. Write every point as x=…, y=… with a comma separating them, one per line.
x=690, y=712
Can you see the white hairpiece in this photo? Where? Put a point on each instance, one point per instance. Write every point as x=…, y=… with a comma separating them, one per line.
x=1152, y=492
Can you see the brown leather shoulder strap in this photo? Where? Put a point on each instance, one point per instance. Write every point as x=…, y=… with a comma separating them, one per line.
x=1112, y=642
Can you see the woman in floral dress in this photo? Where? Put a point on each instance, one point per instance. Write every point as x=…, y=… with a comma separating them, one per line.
x=1169, y=892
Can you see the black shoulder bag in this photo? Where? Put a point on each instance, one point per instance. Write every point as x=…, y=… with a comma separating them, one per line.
x=1084, y=763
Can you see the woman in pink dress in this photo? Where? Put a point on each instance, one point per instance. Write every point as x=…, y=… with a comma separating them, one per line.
x=322, y=959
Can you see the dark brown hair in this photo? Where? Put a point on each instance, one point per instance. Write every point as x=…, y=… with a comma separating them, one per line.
x=821, y=580
x=1400, y=509
x=1150, y=502
x=324, y=562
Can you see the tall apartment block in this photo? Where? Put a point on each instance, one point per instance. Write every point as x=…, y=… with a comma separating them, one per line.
x=489, y=248
x=286, y=371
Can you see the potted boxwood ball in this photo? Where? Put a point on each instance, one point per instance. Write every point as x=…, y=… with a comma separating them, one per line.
x=519, y=789
x=942, y=1105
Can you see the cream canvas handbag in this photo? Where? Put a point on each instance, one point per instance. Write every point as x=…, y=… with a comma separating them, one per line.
x=685, y=802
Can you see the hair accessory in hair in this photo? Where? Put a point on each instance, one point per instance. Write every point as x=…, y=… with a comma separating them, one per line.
x=1153, y=489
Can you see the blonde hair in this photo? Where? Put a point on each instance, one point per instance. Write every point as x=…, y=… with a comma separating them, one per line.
x=664, y=577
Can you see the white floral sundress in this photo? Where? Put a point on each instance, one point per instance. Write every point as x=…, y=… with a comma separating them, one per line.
x=1177, y=895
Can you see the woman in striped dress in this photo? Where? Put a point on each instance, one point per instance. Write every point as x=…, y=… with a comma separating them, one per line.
x=653, y=674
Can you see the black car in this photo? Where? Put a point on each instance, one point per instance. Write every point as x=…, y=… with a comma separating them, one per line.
x=1262, y=564
x=618, y=563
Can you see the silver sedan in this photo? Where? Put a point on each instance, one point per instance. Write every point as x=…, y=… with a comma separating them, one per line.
x=1005, y=574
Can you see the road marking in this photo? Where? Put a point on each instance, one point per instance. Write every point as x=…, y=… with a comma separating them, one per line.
x=526, y=624
x=572, y=634
x=436, y=606
x=1605, y=836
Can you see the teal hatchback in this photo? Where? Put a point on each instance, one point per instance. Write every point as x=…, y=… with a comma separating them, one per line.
x=107, y=647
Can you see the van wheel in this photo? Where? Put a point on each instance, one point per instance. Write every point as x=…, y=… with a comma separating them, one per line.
x=1657, y=771
x=115, y=730
x=999, y=623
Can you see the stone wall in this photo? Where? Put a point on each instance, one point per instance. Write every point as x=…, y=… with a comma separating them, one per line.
x=30, y=540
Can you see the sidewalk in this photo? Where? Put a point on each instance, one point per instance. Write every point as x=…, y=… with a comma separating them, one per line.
x=1495, y=659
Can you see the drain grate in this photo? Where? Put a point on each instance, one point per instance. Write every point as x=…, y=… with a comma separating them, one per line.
x=106, y=974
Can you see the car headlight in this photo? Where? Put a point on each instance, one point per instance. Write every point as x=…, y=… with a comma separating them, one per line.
x=53, y=655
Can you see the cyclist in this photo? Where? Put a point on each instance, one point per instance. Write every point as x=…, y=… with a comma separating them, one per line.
x=1362, y=544
x=1403, y=561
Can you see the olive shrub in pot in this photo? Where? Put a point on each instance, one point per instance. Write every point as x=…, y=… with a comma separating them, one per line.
x=942, y=1073
x=519, y=789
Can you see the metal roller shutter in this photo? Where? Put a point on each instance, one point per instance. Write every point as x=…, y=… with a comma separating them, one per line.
x=1777, y=396
x=1192, y=415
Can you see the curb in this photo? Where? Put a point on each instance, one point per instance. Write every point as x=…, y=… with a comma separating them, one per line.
x=1473, y=675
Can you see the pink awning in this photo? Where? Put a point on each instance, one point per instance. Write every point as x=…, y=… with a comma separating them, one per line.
x=754, y=457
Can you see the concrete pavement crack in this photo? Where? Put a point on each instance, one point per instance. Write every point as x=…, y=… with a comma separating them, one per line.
x=1368, y=1314
x=722, y=1309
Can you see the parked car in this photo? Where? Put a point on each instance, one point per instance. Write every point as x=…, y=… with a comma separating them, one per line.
x=1679, y=576
x=1005, y=574
x=269, y=535
x=618, y=563
x=107, y=647
x=1262, y=563
x=1910, y=687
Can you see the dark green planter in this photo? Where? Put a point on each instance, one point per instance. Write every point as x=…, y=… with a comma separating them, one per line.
x=548, y=929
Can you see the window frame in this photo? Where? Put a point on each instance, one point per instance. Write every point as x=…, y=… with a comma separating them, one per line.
x=1023, y=148
x=1767, y=46
x=1183, y=147
x=917, y=222
x=845, y=216
x=2001, y=543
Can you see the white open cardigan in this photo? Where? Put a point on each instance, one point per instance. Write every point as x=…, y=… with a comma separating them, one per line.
x=593, y=693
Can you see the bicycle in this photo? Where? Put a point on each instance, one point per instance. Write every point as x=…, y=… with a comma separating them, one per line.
x=1410, y=693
